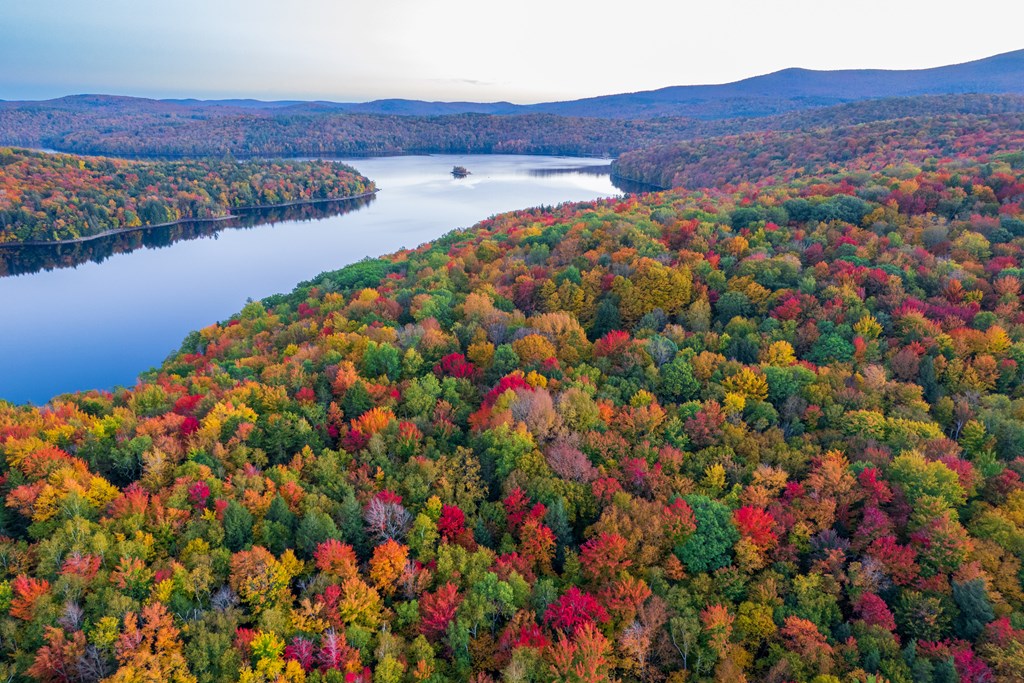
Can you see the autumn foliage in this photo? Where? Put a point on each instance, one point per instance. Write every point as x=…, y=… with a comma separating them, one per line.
x=49, y=197
x=771, y=429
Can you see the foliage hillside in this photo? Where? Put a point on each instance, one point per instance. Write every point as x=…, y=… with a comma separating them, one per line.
x=132, y=126
x=775, y=156
x=767, y=433
x=51, y=197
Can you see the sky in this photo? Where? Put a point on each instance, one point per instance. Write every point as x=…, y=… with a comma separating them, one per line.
x=477, y=50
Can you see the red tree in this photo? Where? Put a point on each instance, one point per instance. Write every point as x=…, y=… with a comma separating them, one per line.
x=437, y=610
x=755, y=524
x=604, y=556
x=873, y=610
x=574, y=609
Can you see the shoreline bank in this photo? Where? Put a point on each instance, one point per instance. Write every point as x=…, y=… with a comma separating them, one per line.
x=213, y=219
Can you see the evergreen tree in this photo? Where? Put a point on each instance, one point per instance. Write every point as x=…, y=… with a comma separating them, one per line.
x=606, y=319
x=315, y=528
x=558, y=521
x=357, y=400
x=237, y=527
x=278, y=528
x=975, y=608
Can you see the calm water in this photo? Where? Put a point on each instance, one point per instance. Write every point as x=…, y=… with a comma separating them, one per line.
x=99, y=324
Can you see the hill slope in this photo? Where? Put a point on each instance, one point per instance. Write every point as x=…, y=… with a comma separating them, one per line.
x=130, y=126
x=777, y=155
x=774, y=434
x=59, y=197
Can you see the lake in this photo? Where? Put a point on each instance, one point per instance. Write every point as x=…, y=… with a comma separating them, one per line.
x=101, y=322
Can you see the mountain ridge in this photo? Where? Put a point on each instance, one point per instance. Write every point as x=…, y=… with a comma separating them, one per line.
x=763, y=95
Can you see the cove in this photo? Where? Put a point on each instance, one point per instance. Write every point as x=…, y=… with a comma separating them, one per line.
x=99, y=313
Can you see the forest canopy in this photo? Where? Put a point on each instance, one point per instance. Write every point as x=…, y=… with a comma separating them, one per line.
x=52, y=197
x=96, y=124
x=771, y=430
x=777, y=156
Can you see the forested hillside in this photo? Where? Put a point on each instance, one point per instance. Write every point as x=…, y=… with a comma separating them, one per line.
x=777, y=156
x=52, y=197
x=131, y=126
x=769, y=433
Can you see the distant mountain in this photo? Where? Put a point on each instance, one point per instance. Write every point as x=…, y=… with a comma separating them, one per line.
x=775, y=93
x=401, y=107
x=792, y=99
x=395, y=106
x=238, y=104
x=791, y=89
x=120, y=126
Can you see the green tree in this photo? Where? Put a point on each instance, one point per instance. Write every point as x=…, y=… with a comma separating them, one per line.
x=315, y=528
x=920, y=478
x=606, y=319
x=421, y=395
x=710, y=546
x=975, y=608
x=922, y=616
x=832, y=348
x=237, y=527
x=677, y=380
x=732, y=304
x=381, y=359
x=505, y=360
x=277, y=531
x=356, y=401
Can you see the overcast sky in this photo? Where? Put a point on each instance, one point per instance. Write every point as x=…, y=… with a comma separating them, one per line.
x=480, y=50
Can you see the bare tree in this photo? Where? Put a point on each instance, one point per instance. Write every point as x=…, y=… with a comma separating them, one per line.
x=387, y=520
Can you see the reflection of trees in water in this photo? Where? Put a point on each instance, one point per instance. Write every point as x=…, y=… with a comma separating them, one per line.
x=632, y=186
x=624, y=184
x=574, y=170
x=23, y=260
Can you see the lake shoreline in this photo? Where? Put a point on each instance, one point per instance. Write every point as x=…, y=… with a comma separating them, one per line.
x=214, y=219
x=93, y=315
x=336, y=155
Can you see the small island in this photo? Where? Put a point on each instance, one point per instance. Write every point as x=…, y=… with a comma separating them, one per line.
x=460, y=171
x=55, y=198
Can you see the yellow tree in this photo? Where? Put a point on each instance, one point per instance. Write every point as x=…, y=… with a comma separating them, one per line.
x=260, y=579
x=653, y=285
x=747, y=383
x=387, y=564
x=150, y=652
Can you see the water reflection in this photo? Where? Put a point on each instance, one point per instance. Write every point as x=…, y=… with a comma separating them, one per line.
x=633, y=186
x=604, y=169
x=21, y=260
x=100, y=324
x=626, y=185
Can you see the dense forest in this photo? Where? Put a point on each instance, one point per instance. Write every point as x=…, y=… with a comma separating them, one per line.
x=53, y=197
x=776, y=156
x=766, y=432
x=122, y=126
